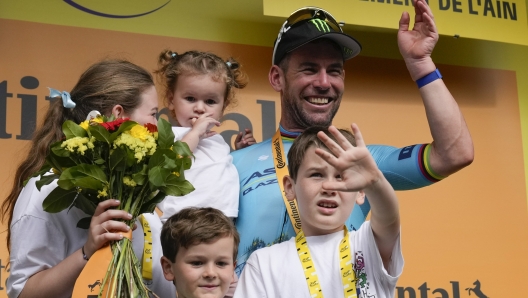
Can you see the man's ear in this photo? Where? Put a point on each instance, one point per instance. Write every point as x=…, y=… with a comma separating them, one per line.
x=289, y=190
x=276, y=78
x=166, y=265
x=360, y=197
x=118, y=111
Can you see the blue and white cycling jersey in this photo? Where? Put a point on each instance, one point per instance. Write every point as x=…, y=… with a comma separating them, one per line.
x=262, y=217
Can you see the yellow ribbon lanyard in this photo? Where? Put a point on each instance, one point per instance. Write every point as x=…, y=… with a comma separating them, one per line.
x=348, y=275
x=281, y=170
x=147, y=249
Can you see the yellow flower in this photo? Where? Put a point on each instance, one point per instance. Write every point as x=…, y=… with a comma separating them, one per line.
x=139, y=140
x=98, y=119
x=140, y=132
x=85, y=124
x=102, y=193
x=129, y=181
x=90, y=143
x=77, y=143
x=176, y=173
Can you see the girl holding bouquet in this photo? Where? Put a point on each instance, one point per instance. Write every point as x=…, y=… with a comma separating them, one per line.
x=198, y=87
x=47, y=250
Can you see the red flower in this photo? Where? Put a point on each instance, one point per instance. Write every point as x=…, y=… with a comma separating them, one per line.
x=151, y=127
x=113, y=125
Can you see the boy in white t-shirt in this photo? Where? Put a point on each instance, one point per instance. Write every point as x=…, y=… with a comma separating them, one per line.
x=328, y=176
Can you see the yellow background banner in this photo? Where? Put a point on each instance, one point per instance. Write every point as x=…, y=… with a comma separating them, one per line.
x=453, y=231
x=494, y=20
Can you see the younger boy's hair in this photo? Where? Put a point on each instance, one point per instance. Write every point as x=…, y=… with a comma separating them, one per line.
x=309, y=139
x=192, y=226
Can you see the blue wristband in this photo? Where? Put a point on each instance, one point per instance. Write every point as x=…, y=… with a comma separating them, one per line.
x=435, y=75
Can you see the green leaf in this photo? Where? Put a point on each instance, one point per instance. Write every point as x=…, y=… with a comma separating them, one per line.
x=176, y=187
x=164, y=158
x=85, y=204
x=43, y=170
x=71, y=130
x=59, y=151
x=150, y=205
x=141, y=177
x=118, y=159
x=182, y=149
x=58, y=199
x=99, y=161
x=45, y=180
x=130, y=159
x=165, y=134
x=158, y=175
x=83, y=176
x=100, y=133
x=84, y=223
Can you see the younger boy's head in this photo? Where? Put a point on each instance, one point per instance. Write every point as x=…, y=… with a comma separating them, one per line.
x=199, y=251
x=323, y=211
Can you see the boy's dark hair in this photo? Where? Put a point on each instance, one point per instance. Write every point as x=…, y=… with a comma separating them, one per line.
x=309, y=139
x=192, y=226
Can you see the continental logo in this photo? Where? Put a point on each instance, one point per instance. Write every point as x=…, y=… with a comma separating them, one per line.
x=278, y=159
x=295, y=214
x=321, y=25
x=145, y=7
x=454, y=290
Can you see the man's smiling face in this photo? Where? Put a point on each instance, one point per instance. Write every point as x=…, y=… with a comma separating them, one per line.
x=313, y=85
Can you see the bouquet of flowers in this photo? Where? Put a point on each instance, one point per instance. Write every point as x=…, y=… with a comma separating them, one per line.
x=102, y=159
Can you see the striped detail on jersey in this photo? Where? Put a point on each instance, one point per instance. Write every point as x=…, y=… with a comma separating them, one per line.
x=289, y=135
x=425, y=166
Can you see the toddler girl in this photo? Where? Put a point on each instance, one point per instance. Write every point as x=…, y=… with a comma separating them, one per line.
x=198, y=87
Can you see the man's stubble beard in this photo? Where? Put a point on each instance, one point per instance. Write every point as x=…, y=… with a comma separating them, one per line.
x=300, y=119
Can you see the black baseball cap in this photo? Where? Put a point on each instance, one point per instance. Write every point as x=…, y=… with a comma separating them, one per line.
x=308, y=24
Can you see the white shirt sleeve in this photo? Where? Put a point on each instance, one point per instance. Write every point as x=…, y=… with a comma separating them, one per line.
x=251, y=283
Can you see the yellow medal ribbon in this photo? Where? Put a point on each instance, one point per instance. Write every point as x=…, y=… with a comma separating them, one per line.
x=147, y=249
x=281, y=170
x=348, y=275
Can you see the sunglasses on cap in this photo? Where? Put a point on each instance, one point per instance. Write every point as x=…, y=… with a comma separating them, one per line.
x=306, y=13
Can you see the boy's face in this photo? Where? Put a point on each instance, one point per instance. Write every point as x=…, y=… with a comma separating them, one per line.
x=322, y=211
x=203, y=270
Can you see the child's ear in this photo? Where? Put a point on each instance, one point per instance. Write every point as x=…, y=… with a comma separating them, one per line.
x=289, y=190
x=118, y=111
x=360, y=198
x=166, y=265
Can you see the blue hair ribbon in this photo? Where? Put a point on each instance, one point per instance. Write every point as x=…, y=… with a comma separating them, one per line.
x=67, y=102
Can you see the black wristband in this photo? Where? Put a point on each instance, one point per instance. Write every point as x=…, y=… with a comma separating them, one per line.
x=84, y=255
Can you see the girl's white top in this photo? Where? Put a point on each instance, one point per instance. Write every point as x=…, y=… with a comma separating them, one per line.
x=213, y=176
